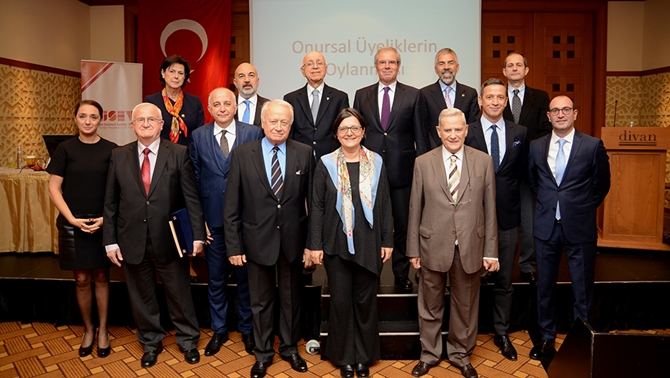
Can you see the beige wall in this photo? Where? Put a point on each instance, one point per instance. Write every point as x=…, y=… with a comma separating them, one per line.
x=107, y=33
x=656, y=51
x=54, y=33
x=625, y=35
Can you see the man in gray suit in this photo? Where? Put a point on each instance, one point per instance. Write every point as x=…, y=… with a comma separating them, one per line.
x=452, y=228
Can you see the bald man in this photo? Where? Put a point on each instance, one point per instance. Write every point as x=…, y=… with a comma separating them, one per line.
x=249, y=103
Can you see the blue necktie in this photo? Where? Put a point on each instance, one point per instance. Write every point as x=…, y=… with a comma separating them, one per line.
x=245, y=117
x=560, y=170
x=495, y=148
x=277, y=181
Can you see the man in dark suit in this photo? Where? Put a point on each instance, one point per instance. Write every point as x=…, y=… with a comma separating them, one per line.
x=507, y=143
x=452, y=228
x=395, y=116
x=528, y=107
x=249, y=102
x=147, y=181
x=265, y=222
x=211, y=159
x=316, y=106
x=448, y=93
x=569, y=176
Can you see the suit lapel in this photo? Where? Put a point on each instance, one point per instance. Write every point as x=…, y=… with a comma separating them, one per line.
x=259, y=165
x=164, y=152
x=398, y=99
x=477, y=131
x=545, y=155
x=440, y=173
x=134, y=162
x=289, y=170
x=576, y=144
x=468, y=162
x=325, y=102
x=509, y=143
x=373, y=103
x=459, y=95
x=304, y=104
x=212, y=147
x=528, y=99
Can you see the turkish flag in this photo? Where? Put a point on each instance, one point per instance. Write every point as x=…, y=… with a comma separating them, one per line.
x=198, y=30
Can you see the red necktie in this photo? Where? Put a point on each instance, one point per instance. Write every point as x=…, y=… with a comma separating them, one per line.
x=146, y=171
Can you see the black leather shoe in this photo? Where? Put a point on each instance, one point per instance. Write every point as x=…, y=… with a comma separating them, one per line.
x=506, y=348
x=150, y=358
x=362, y=370
x=542, y=350
x=249, y=343
x=347, y=371
x=421, y=369
x=260, y=369
x=192, y=356
x=528, y=277
x=404, y=283
x=214, y=344
x=104, y=352
x=469, y=372
x=297, y=362
x=85, y=351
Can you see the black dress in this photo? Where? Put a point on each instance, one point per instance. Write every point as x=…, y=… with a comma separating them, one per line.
x=83, y=168
x=353, y=336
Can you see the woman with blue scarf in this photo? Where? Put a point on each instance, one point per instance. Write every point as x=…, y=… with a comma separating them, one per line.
x=352, y=235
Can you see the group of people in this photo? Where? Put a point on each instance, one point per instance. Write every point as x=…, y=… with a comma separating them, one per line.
x=439, y=178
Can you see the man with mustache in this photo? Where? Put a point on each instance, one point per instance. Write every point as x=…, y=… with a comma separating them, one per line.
x=249, y=103
x=448, y=93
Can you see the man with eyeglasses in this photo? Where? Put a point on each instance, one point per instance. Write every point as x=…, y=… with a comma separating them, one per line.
x=528, y=107
x=447, y=92
x=569, y=176
x=395, y=115
x=148, y=180
x=249, y=102
x=316, y=106
x=265, y=223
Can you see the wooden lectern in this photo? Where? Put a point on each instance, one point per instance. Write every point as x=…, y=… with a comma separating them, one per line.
x=632, y=214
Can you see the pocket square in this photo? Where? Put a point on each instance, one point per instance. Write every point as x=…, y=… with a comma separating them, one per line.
x=298, y=172
x=516, y=143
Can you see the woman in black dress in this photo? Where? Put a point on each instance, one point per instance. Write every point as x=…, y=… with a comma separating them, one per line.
x=352, y=235
x=77, y=187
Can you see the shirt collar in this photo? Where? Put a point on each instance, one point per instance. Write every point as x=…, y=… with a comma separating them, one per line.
x=568, y=138
x=381, y=86
x=444, y=86
x=153, y=146
x=486, y=124
x=267, y=146
x=311, y=89
x=253, y=99
x=510, y=90
x=446, y=155
x=230, y=129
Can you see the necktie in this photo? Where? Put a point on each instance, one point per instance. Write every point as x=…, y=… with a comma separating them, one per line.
x=224, y=144
x=386, y=108
x=315, y=105
x=516, y=106
x=277, y=181
x=146, y=171
x=495, y=148
x=245, y=117
x=454, y=177
x=560, y=170
x=447, y=99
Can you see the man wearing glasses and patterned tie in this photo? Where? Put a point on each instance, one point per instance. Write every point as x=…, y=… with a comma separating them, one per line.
x=569, y=176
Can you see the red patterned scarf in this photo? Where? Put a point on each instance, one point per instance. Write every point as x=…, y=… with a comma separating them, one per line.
x=177, y=122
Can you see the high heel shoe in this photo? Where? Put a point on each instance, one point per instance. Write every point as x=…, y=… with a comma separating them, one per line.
x=85, y=351
x=104, y=352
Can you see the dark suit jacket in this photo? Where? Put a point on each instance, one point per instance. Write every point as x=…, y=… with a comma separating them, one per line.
x=585, y=184
x=211, y=167
x=434, y=222
x=256, y=224
x=510, y=171
x=257, y=115
x=466, y=100
x=317, y=134
x=192, y=114
x=533, y=112
x=405, y=137
x=129, y=213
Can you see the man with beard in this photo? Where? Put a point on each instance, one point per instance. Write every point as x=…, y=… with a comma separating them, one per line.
x=448, y=93
x=249, y=103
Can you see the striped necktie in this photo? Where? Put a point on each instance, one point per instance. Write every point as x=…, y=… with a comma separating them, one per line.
x=454, y=177
x=277, y=181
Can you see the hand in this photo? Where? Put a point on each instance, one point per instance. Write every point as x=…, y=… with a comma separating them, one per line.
x=307, y=258
x=210, y=239
x=91, y=225
x=317, y=257
x=416, y=262
x=198, y=247
x=238, y=260
x=115, y=256
x=491, y=265
x=386, y=254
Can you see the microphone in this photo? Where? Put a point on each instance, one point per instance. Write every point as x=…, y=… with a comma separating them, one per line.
x=616, y=102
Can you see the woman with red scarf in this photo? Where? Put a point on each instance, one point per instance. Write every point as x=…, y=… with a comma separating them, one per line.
x=182, y=112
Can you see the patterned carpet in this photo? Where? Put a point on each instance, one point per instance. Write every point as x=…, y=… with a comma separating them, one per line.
x=43, y=350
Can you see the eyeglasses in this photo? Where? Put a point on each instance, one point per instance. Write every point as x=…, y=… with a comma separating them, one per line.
x=274, y=122
x=141, y=121
x=565, y=111
x=353, y=129
x=311, y=64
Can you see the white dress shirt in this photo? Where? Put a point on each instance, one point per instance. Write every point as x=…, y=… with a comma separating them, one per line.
x=502, y=146
x=380, y=97
x=553, y=150
x=230, y=134
x=241, y=107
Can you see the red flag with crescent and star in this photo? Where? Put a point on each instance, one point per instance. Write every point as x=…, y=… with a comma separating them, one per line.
x=198, y=30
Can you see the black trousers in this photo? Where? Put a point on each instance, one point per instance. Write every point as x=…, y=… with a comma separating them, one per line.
x=353, y=335
x=400, y=210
